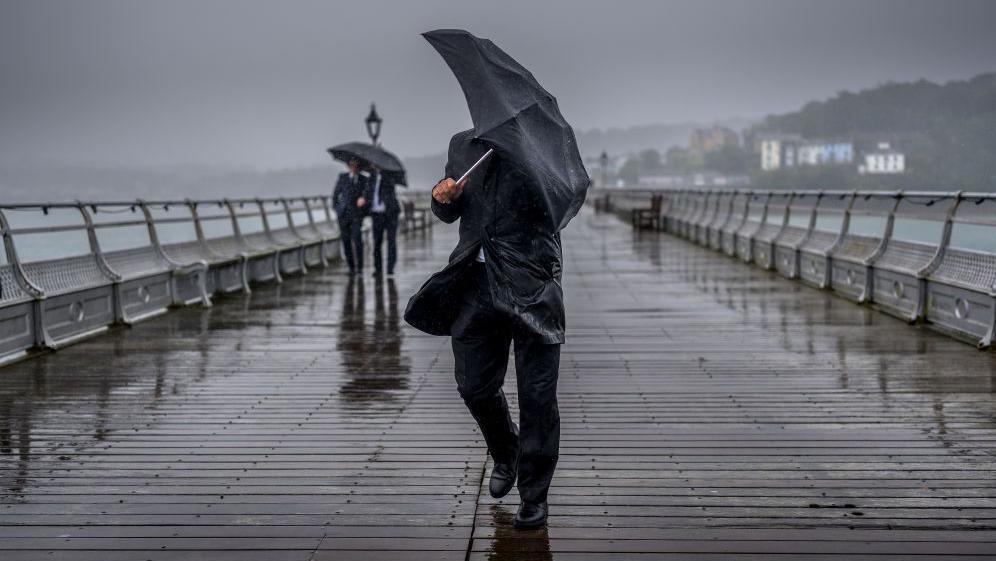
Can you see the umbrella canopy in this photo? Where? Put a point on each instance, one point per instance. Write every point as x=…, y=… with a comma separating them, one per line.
x=519, y=118
x=369, y=154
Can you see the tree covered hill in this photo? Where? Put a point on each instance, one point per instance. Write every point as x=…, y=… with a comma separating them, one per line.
x=948, y=131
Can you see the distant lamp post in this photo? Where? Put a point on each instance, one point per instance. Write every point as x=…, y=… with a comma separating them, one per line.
x=373, y=122
x=603, y=160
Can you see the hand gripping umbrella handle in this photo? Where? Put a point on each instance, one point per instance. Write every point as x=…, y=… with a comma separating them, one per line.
x=476, y=164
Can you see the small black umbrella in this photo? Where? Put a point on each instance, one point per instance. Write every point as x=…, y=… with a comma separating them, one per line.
x=519, y=118
x=370, y=154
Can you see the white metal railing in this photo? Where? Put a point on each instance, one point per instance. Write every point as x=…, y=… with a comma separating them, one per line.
x=925, y=256
x=71, y=270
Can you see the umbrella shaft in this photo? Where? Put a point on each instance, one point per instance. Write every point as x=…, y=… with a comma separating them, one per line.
x=473, y=167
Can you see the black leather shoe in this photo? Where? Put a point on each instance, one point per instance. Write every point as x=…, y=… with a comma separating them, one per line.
x=502, y=479
x=531, y=515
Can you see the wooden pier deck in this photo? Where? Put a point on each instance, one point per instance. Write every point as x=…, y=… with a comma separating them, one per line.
x=710, y=411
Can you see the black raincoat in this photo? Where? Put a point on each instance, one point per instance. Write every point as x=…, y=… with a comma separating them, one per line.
x=502, y=210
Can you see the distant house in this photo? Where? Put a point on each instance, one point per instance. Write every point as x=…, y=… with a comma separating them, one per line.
x=825, y=152
x=883, y=160
x=712, y=139
x=778, y=150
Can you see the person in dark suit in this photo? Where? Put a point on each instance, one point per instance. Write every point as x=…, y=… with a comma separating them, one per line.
x=384, y=210
x=502, y=286
x=350, y=207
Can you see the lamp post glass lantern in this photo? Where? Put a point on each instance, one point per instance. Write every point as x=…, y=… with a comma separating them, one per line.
x=373, y=122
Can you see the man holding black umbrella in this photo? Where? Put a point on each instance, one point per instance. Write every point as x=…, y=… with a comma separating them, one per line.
x=503, y=282
x=349, y=203
x=384, y=210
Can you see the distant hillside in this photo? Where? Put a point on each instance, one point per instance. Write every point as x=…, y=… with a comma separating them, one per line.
x=634, y=139
x=615, y=141
x=948, y=131
x=62, y=182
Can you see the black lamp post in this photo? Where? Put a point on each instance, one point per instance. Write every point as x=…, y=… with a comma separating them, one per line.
x=604, y=161
x=373, y=122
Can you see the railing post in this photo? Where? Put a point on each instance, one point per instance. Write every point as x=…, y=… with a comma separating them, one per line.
x=845, y=227
x=935, y=261
x=786, y=216
x=150, y=225
x=302, y=261
x=235, y=221
x=307, y=207
x=942, y=247
x=290, y=219
x=890, y=224
x=725, y=221
x=811, y=227
x=266, y=221
x=735, y=232
x=314, y=227
x=15, y=264
x=764, y=212
x=202, y=266
x=91, y=234
x=98, y=256
x=269, y=235
x=701, y=216
x=198, y=228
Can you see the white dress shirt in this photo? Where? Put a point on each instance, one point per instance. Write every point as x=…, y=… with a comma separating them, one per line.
x=377, y=205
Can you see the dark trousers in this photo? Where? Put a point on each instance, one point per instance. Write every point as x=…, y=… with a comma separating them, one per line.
x=481, y=339
x=350, y=230
x=385, y=222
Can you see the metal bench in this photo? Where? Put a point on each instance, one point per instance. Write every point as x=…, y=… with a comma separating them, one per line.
x=182, y=237
x=866, y=229
x=696, y=204
x=801, y=221
x=72, y=288
x=328, y=225
x=682, y=206
x=124, y=237
x=736, y=220
x=17, y=302
x=262, y=253
x=672, y=208
x=912, y=244
x=70, y=270
x=649, y=217
x=668, y=204
x=302, y=224
x=724, y=208
x=313, y=231
x=961, y=282
x=776, y=217
x=823, y=238
x=414, y=218
x=280, y=231
x=757, y=213
x=699, y=231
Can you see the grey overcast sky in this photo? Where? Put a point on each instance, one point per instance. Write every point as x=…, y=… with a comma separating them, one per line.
x=269, y=84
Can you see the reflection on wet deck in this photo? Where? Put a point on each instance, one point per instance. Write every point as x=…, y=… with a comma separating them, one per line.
x=710, y=411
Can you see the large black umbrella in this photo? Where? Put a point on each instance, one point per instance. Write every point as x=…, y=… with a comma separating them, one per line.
x=370, y=154
x=519, y=118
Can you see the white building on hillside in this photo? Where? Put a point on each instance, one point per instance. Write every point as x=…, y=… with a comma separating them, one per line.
x=778, y=150
x=883, y=160
x=825, y=152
